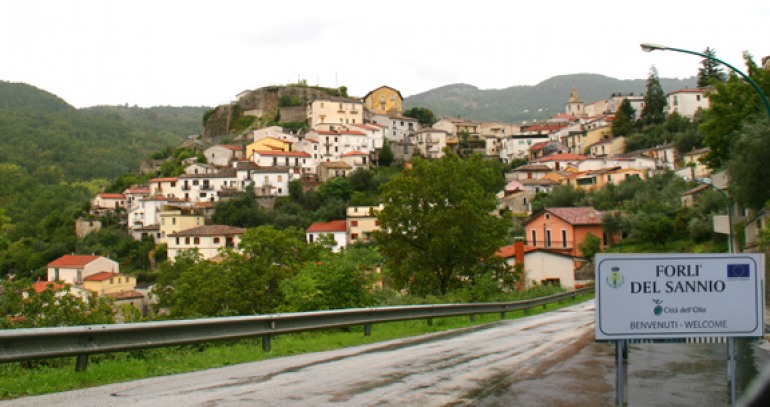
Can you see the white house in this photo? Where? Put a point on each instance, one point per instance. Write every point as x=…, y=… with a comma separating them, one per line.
x=73, y=268
x=686, y=101
x=397, y=128
x=337, y=229
x=223, y=154
x=206, y=187
x=267, y=181
x=299, y=163
x=431, y=142
x=541, y=266
x=167, y=187
x=208, y=239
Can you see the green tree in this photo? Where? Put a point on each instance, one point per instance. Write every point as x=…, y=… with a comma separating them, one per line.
x=424, y=115
x=23, y=307
x=590, y=246
x=337, y=280
x=710, y=71
x=385, y=157
x=731, y=104
x=437, y=228
x=624, y=122
x=748, y=165
x=654, y=110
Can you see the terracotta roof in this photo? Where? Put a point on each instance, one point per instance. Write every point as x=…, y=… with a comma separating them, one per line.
x=538, y=146
x=336, y=164
x=327, y=132
x=509, y=251
x=209, y=230
x=112, y=196
x=333, y=226
x=365, y=126
x=40, y=286
x=283, y=153
x=101, y=276
x=538, y=181
x=137, y=190
x=311, y=140
x=699, y=151
x=231, y=147
x=73, y=260
x=352, y=153
x=579, y=215
x=352, y=133
x=167, y=179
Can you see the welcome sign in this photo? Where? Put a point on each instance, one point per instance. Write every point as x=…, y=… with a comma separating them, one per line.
x=664, y=296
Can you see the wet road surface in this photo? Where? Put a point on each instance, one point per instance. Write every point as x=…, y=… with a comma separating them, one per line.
x=545, y=360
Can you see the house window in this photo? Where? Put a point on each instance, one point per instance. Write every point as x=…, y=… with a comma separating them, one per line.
x=376, y=223
x=195, y=182
x=547, y=238
x=548, y=216
x=353, y=236
x=564, y=238
x=177, y=241
x=56, y=274
x=187, y=240
x=173, y=221
x=216, y=240
x=196, y=240
x=280, y=178
x=353, y=223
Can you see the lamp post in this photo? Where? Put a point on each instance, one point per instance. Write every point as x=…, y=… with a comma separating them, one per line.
x=649, y=47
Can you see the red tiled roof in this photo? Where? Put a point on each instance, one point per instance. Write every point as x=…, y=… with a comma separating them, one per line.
x=311, y=140
x=231, y=147
x=353, y=153
x=333, y=226
x=538, y=146
x=111, y=196
x=167, y=179
x=73, y=260
x=283, y=153
x=101, y=276
x=533, y=167
x=40, y=286
x=507, y=251
x=352, y=133
x=364, y=126
x=579, y=215
x=327, y=132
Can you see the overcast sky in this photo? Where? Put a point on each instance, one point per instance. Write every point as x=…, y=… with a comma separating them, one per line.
x=192, y=52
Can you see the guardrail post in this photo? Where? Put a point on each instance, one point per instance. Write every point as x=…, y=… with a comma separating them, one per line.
x=526, y=311
x=367, y=329
x=267, y=343
x=81, y=363
x=430, y=321
x=473, y=317
x=502, y=315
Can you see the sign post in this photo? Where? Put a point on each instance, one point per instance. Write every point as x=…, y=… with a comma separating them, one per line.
x=676, y=296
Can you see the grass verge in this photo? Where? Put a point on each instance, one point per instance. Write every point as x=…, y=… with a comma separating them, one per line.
x=55, y=375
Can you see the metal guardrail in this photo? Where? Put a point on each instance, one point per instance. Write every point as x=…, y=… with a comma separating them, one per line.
x=42, y=343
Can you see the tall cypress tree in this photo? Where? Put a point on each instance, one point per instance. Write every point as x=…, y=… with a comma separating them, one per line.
x=710, y=70
x=654, y=110
x=623, y=124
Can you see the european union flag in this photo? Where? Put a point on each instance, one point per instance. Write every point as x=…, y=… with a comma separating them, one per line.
x=738, y=271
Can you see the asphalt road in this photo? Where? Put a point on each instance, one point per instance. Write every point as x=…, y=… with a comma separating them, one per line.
x=464, y=367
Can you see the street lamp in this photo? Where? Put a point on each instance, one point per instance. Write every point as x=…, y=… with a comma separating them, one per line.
x=649, y=47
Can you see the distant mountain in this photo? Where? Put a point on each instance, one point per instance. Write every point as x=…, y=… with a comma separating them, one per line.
x=520, y=103
x=40, y=129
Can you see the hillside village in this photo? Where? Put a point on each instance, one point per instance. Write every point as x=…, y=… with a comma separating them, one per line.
x=575, y=147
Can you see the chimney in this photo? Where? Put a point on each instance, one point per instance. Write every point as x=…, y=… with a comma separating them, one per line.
x=518, y=248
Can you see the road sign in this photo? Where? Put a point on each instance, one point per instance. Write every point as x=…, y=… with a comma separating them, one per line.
x=663, y=296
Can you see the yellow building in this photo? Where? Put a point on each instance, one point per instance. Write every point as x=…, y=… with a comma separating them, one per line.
x=361, y=222
x=174, y=219
x=269, y=144
x=384, y=100
x=106, y=282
